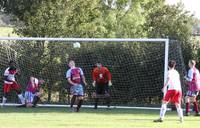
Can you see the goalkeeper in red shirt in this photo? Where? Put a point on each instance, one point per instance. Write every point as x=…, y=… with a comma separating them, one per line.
x=101, y=81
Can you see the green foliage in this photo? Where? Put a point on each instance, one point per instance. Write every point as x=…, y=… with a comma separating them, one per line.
x=172, y=22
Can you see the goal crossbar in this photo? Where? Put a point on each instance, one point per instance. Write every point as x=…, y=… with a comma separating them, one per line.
x=87, y=39
x=71, y=40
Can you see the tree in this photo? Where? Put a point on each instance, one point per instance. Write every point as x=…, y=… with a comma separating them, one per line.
x=172, y=22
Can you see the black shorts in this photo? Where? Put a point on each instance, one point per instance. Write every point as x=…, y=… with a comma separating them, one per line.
x=102, y=88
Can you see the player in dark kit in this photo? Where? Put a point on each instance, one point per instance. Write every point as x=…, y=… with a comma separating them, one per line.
x=101, y=81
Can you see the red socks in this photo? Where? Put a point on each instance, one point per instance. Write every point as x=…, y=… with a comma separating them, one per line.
x=196, y=108
x=187, y=107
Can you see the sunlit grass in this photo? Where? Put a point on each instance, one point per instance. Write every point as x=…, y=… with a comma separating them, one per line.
x=12, y=117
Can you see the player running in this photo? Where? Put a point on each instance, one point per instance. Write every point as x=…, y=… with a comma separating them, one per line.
x=32, y=94
x=173, y=94
x=101, y=81
x=75, y=77
x=10, y=83
x=193, y=79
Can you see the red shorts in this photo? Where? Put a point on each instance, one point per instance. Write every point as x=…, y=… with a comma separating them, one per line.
x=8, y=87
x=173, y=96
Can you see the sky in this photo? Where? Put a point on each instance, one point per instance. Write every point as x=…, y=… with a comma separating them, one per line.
x=191, y=5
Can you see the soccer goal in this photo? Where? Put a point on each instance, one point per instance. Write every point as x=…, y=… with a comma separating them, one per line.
x=138, y=66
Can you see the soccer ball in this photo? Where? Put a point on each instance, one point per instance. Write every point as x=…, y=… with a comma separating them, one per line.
x=76, y=45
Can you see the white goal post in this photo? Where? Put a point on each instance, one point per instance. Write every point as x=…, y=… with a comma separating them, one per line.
x=82, y=40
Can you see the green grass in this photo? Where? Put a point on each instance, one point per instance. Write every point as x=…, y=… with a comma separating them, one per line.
x=11, y=117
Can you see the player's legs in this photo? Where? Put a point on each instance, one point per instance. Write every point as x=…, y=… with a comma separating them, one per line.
x=73, y=99
x=191, y=97
x=163, y=109
x=17, y=88
x=99, y=91
x=177, y=101
x=179, y=111
x=168, y=96
x=80, y=97
x=74, y=95
x=29, y=98
x=187, y=108
x=195, y=102
x=6, y=90
x=36, y=98
x=196, y=107
x=80, y=102
x=107, y=95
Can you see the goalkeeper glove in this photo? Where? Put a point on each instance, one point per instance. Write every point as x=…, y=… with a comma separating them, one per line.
x=94, y=83
x=109, y=83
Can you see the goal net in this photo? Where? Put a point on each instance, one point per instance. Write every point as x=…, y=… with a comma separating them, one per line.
x=138, y=66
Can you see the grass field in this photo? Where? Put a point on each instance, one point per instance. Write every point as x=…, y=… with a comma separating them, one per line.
x=11, y=117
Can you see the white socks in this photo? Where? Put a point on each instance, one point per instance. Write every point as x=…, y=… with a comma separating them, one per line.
x=180, y=112
x=21, y=98
x=163, y=110
x=3, y=101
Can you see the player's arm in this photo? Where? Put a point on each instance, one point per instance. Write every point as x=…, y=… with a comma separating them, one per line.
x=189, y=77
x=94, y=77
x=32, y=79
x=166, y=83
x=84, y=81
x=83, y=77
x=109, y=77
x=70, y=81
x=18, y=71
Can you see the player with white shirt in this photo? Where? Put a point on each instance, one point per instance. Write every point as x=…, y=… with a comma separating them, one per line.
x=10, y=83
x=75, y=77
x=173, y=94
x=193, y=79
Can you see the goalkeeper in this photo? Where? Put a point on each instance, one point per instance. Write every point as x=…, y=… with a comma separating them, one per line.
x=33, y=93
x=101, y=81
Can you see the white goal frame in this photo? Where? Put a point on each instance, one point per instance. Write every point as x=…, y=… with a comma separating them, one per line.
x=71, y=40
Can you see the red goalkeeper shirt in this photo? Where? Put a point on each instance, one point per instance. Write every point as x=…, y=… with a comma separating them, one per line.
x=101, y=75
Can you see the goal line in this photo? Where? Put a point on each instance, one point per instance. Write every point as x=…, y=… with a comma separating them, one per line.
x=89, y=106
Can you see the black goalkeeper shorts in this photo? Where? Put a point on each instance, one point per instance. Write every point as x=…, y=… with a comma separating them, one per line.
x=102, y=88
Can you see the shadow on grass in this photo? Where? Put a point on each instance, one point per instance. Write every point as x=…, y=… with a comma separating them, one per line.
x=82, y=110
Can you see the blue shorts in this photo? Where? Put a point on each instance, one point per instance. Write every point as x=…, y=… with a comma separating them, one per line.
x=29, y=96
x=77, y=90
x=192, y=93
